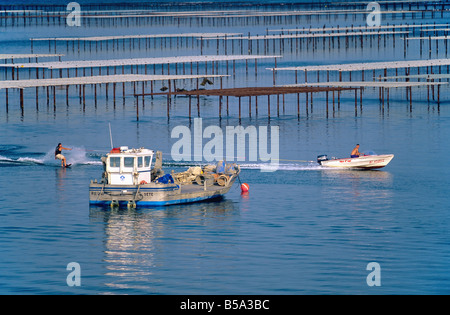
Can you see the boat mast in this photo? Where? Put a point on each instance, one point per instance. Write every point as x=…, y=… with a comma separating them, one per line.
x=110, y=136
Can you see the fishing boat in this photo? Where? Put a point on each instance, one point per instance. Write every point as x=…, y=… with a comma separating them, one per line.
x=130, y=178
x=365, y=162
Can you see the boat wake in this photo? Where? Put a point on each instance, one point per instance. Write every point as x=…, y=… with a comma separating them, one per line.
x=78, y=156
x=299, y=166
x=282, y=167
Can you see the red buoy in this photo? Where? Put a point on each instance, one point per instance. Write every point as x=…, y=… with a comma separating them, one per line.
x=245, y=187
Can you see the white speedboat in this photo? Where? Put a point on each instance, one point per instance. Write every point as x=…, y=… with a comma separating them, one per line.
x=365, y=162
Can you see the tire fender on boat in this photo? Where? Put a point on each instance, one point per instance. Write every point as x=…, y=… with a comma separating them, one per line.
x=222, y=180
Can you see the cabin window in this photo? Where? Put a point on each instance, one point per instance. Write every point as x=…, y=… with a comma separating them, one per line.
x=128, y=162
x=114, y=162
x=148, y=160
x=141, y=162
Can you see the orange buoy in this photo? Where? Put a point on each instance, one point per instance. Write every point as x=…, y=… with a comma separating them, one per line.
x=245, y=187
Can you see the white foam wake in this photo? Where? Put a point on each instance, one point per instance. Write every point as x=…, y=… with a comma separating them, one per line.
x=77, y=156
x=282, y=166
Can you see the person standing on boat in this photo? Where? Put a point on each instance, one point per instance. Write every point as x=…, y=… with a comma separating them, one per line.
x=355, y=153
x=59, y=156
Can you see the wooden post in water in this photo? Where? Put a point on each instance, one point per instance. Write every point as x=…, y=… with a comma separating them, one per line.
x=7, y=99
x=239, y=108
x=278, y=105
x=54, y=98
x=168, y=103
x=360, y=98
x=21, y=100
x=137, y=108
x=306, y=104
x=95, y=95
x=84, y=97
x=114, y=95
x=37, y=98
x=190, y=105
x=143, y=94
x=388, y=96
x=410, y=99
x=333, y=103
x=198, y=105
x=67, y=96
x=151, y=88
x=274, y=73
x=439, y=94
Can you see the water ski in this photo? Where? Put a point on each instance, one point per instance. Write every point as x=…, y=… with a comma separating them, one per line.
x=68, y=165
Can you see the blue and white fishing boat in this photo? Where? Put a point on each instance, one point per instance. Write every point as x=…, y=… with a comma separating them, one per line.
x=130, y=179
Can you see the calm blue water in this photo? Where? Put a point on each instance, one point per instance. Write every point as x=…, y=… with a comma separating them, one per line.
x=300, y=230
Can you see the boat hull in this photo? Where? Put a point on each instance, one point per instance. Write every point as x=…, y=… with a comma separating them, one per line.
x=363, y=162
x=154, y=194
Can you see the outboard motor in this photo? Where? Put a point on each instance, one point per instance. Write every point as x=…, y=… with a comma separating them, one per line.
x=322, y=158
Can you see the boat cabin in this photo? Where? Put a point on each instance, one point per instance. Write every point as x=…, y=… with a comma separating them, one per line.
x=125, y=166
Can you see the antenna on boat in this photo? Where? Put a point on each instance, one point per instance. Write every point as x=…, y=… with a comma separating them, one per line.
x=110, y=136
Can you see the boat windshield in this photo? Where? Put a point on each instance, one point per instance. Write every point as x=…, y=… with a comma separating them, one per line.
x=148, y=161
x=114, y=161
x=128, y=161
x=144, y=161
